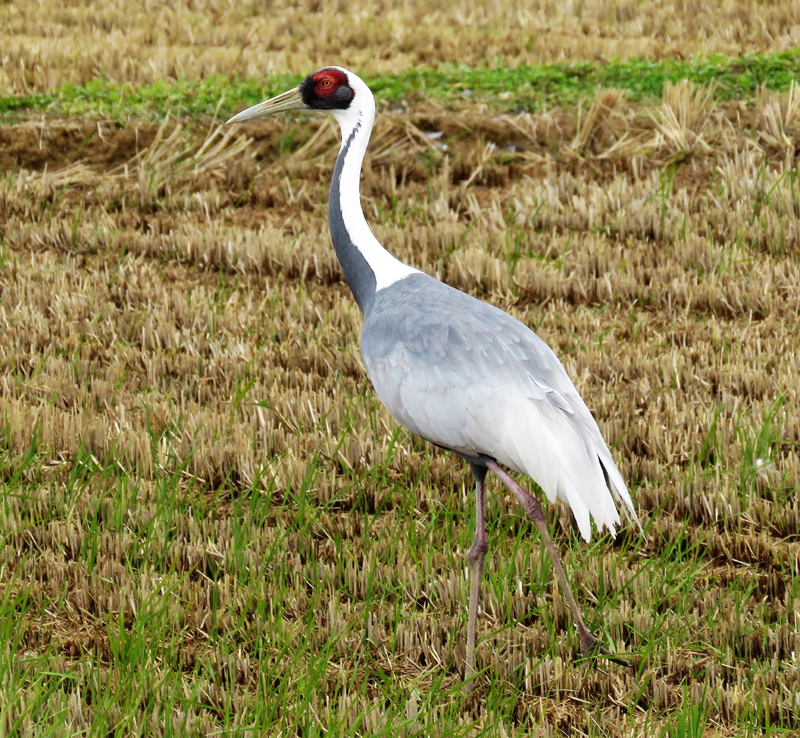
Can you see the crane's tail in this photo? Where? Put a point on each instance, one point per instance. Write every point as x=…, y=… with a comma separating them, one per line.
x=618, y=489
x=565, y=454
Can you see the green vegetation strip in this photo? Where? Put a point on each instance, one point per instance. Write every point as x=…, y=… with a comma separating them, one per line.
x=508, y=89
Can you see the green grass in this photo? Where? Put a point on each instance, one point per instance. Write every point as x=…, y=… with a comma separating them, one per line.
x=505, y=88
x=271, y=609
x=266, y=607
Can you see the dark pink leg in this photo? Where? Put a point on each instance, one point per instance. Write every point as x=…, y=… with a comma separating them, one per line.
x=534, y=511
x=475, y=557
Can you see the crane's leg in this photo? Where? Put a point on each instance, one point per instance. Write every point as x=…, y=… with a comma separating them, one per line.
x=534, y=512
x=475, y=557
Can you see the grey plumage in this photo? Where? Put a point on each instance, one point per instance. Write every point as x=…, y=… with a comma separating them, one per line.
x=469, y=377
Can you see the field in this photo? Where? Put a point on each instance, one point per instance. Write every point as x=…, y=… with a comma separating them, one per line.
x=208, y=523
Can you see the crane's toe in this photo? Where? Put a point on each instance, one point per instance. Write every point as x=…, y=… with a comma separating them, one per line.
x=591, y=648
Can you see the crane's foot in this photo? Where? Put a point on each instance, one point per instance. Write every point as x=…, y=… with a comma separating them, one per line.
x=470, y=684
x=591, y=649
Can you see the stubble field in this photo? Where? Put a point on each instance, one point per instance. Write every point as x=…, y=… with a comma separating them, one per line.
x=208, y=523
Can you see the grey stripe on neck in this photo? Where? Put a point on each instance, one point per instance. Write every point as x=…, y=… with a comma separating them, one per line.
x=357, y=271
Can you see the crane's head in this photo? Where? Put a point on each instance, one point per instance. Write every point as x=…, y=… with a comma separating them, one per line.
x=329, y=89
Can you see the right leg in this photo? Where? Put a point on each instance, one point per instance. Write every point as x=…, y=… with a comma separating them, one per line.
x=475, y=557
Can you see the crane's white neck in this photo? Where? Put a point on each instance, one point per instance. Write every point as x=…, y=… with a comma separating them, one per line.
x=368, y=266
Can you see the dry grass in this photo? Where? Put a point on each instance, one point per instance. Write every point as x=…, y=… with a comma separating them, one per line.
x=180, y=364
x=50, y=43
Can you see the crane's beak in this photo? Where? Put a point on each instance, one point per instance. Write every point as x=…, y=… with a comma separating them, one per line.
x=291, y=100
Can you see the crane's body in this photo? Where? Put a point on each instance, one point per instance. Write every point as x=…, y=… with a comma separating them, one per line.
x=468, y=377
x=459, y=372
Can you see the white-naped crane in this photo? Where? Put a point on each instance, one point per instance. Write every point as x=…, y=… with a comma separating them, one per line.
x=462, y=374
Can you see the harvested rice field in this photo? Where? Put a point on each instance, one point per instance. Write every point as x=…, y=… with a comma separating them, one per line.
x=208, y=523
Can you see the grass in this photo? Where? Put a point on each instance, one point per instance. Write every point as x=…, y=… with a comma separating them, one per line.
x=290, y=661
x=209, y=525
x=516, y=88
x=288, y=615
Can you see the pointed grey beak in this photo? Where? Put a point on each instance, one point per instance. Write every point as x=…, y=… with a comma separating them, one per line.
x=291, y=100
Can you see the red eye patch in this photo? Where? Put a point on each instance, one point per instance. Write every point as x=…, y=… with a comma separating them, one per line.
x=327, y=81
x=327, y=89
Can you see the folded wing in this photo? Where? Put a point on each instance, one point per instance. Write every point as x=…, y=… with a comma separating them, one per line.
x=469, y=377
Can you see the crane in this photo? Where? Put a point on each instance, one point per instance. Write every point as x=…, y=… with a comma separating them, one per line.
x=459, y=372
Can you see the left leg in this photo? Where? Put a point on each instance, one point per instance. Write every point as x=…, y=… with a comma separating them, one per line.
x=535, y=514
